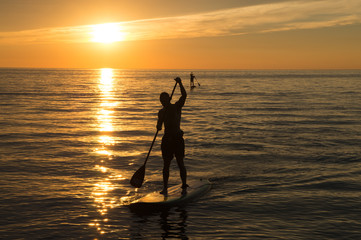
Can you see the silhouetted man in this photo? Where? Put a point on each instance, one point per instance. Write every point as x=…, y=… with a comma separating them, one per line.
x=172, y=141
x=192, y=80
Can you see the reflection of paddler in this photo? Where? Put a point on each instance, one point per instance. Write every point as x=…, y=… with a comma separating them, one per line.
x=192, y=81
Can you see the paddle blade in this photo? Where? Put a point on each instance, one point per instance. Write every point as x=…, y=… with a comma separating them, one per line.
x=138, y=177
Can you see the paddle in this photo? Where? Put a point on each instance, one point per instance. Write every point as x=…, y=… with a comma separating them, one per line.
x=197, y=81
x=138, y=177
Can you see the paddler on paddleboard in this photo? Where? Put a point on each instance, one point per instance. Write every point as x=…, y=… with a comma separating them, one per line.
x=192, y=80
x=172, y=141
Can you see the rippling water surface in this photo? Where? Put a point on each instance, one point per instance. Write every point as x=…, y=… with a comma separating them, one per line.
x=282, y=149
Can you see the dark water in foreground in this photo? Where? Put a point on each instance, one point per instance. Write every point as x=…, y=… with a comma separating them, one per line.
x=282, y=149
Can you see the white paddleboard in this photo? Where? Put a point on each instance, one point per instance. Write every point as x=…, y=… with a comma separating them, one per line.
x=156, y=201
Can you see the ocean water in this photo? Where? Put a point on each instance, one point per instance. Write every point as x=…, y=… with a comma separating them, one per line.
x=281, y=148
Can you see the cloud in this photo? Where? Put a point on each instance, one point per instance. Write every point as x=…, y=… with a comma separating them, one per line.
x=47, y=35
x=253, y=19
x=281, y=16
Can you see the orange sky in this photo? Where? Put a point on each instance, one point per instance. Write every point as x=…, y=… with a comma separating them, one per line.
x=198, y=34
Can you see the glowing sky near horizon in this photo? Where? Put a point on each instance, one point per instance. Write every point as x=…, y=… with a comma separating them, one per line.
x=282, y=18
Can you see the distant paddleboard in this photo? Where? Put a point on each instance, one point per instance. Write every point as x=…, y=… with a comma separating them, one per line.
x=156, y=201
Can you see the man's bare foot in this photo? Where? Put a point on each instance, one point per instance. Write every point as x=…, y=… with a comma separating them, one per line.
x=164, y=192
x=184, y=189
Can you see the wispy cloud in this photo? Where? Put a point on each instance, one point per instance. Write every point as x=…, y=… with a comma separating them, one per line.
x=281, y=16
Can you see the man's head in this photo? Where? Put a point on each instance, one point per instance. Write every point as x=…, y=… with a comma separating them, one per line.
x=164, y=99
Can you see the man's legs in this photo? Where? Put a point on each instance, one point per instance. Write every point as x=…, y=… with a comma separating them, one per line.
x=167, y=154
x=179, y=154
x=176, y=147
x=165, y=176
x=182, y=171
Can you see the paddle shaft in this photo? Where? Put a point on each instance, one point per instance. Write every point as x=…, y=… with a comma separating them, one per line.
x=197, y=81
x=156, y=133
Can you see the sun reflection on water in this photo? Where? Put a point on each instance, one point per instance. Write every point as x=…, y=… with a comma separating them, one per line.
x=102, y=189
x=106, y=112
x=107, y=191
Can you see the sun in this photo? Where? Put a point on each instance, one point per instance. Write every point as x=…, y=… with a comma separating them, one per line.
x=107, y=33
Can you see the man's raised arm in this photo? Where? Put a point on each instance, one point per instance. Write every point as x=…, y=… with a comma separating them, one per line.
x=183, y=91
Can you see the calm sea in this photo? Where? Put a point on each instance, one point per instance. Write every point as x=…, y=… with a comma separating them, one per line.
x=282, y=149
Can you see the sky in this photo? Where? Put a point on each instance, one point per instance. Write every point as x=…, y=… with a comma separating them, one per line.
x=188, y=34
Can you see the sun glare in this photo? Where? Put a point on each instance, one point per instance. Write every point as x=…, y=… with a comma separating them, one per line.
x=108, y=33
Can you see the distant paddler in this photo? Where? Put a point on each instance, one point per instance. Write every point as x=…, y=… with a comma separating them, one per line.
x=192, y=81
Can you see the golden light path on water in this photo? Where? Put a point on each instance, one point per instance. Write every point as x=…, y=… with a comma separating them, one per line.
x=103, y=200
x=106, y=113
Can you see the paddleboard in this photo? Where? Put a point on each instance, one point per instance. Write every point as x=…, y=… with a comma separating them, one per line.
x=156, y=201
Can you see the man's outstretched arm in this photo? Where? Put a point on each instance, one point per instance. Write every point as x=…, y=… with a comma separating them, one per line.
x=183, y=91
x=182, y=99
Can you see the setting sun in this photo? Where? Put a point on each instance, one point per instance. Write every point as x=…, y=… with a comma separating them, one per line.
x=108, y=33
